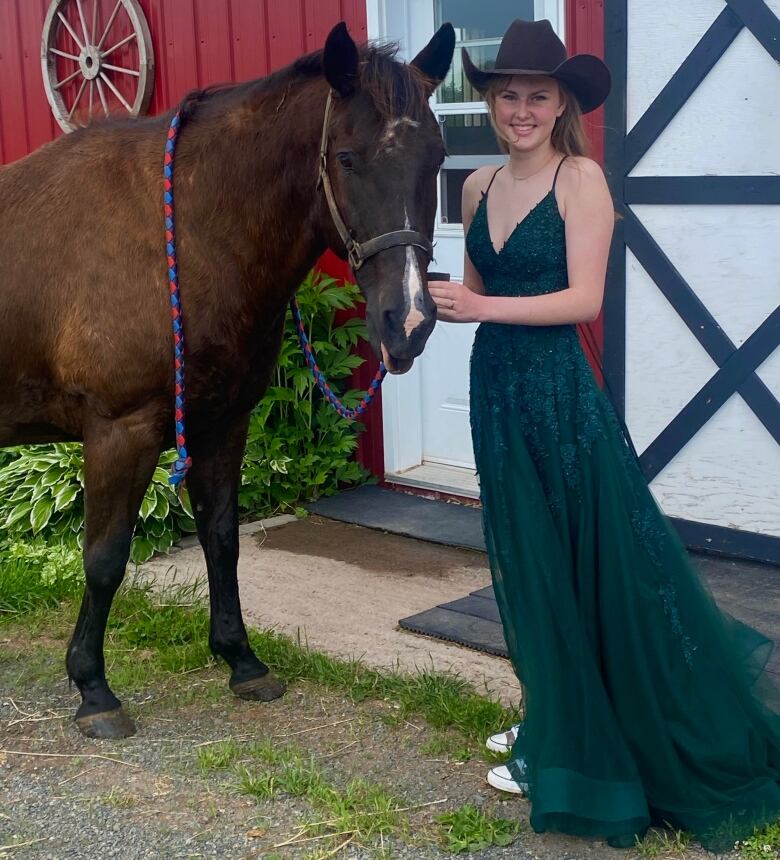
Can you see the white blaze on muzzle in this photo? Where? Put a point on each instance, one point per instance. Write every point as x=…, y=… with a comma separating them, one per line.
x=413, y=288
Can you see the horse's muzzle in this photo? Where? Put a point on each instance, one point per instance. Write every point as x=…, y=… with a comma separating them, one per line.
x=403, y=338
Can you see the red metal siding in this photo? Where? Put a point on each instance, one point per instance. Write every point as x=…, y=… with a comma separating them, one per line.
x=196, y=43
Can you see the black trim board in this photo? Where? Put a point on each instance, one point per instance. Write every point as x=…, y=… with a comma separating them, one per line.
x=698, y=190
x=680, y=87
x=622, y=153
x=730, y=377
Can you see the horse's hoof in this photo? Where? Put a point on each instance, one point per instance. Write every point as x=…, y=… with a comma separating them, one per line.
x=266, y=688
x=107, y=725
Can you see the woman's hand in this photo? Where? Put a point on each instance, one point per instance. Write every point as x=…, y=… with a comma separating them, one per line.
x=456, y=302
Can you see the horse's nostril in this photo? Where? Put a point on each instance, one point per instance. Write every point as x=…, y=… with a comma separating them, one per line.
x=391, y=319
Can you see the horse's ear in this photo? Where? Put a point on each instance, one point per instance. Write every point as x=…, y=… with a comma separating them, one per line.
x=340, y=60
x=436, y=57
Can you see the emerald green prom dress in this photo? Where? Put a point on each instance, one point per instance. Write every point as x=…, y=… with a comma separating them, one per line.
x=644, y=703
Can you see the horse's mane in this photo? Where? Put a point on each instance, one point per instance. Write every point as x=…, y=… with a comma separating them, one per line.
x=395, y=87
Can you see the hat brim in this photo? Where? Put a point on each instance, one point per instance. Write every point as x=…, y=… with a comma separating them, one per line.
x=586, y=76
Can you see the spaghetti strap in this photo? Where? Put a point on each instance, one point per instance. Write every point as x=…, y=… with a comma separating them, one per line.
x=484, y=193
x=557, y=171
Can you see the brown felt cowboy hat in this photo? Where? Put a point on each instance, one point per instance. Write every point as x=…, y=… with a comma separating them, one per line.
x=532, y=48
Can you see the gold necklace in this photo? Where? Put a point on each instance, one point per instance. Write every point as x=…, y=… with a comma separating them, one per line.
x=523, y=178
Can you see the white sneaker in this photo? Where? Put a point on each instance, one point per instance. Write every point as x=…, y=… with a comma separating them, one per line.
x=503, y=741
x=500, y=778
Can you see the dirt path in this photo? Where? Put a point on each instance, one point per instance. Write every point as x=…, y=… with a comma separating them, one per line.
x=343, y=588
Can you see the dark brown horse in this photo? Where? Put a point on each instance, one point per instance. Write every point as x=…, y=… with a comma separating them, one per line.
x=85, y=338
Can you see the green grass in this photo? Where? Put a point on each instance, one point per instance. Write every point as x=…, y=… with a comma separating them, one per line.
x=361, y=810
x=663, y=843
x=152, y=636
x=218, y=756
x=470, y=829
x=444, y=745
x=764, y=844
x=35, y=576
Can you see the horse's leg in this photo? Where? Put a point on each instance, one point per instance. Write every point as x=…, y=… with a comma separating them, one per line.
x=119, y=459
x=213, y=486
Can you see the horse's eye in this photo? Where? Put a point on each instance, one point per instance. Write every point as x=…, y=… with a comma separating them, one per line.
x=345, y=160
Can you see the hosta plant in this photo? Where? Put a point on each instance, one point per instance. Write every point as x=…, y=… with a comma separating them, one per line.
x=42, y=493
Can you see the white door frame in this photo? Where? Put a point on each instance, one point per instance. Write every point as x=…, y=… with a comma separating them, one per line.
x=411, y=23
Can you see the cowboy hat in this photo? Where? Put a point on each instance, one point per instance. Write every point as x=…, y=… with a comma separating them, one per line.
x=533, y=48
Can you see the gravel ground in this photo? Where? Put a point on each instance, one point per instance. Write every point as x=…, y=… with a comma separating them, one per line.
x=144, y=797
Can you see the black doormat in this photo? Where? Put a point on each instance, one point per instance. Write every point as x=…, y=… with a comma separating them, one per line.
x=747, y=590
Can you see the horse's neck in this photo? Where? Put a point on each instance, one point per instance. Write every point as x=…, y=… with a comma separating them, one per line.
x=259, y=200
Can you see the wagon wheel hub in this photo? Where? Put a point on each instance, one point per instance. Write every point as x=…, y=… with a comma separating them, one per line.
x=89, y=61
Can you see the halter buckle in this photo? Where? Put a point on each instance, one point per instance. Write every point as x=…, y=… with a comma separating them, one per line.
x=354, y=256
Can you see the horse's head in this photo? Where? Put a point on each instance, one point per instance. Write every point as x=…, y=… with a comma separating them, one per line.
x=381, y=153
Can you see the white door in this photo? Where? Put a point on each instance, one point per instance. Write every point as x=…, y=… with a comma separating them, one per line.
x=427, y=438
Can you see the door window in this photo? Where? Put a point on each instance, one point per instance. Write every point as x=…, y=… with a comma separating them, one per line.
x=468, y=135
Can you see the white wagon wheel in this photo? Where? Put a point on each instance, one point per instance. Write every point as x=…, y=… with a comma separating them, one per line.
x=81, y=73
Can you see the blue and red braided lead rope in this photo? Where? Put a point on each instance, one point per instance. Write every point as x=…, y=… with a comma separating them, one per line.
x=184, y=461
x=311, y=360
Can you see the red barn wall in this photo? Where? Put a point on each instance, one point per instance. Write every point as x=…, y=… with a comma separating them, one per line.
x=196, y=43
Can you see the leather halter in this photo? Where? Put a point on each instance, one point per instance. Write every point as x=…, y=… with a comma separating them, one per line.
x=359, y=252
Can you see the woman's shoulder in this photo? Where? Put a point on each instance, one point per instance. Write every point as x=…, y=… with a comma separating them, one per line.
x=579, y=171
x=478, y=181
x=582, y=186
x=474, y=187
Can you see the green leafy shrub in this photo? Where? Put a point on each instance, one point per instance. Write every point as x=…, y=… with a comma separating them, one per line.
x=34, y=574
x=299, y=448
x=42, y=493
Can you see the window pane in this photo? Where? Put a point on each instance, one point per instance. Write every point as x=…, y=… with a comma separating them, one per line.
x=468, y=134
x=451, y=190
x=479, y=27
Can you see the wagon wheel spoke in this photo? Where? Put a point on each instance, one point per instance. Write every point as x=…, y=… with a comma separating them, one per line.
x=119, y=44
x=70, y=30
x=67, y=80
x=91, y=98
x=116, y=92
x=83, y=22
x=77, y=99
x=94, y=21
x=64, y=54
x=122, y=70
x=102, y=95
x=110, y=22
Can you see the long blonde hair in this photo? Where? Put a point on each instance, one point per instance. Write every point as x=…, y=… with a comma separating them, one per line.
x=568, y=136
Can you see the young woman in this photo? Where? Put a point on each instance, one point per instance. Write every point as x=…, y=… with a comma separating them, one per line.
x=644, y=704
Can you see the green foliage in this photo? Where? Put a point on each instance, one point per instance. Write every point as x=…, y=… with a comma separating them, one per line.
x=35, y=575
x=762, y=845
x=299, y=448
x=42, y=493
x=469, y=829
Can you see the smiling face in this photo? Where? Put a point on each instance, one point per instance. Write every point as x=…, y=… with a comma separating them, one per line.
x=524, y=109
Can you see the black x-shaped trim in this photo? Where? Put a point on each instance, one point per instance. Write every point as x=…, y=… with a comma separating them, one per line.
x=736, y=367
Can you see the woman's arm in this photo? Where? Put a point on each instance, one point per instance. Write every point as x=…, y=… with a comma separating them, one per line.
x=589, y=216
x=472, y=282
